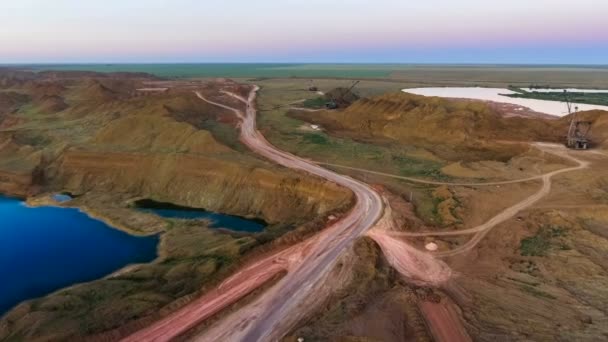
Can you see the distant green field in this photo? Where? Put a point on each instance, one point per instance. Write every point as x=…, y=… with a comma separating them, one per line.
x=579, y=76
x=576, y=97
x=576, y=76
x=237, y=70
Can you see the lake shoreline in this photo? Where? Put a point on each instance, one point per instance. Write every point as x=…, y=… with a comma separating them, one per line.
x=54, y=244
x=46, y=200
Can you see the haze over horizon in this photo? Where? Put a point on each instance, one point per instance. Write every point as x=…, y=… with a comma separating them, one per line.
x=304, y=31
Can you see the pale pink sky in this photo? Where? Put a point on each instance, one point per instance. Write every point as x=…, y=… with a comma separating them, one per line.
x=298, y=30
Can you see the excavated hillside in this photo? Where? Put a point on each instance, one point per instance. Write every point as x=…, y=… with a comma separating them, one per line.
x=452, y=129
x=94, y=133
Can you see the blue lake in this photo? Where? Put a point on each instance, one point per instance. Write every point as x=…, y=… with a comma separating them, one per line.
x=45, y=249
x=235, y=223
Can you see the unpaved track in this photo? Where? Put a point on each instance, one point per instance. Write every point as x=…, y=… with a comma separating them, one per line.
x=263, y=319
x=430, y=182
x=422, y=269
x=483, y=229
x=445, y=321
x=271, y=315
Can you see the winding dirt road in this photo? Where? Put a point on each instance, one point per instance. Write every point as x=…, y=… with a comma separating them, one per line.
x=483, y=229
x=430, y=182
x=274, y=312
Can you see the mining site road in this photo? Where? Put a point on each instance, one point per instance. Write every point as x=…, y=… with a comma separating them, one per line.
x=481, y=230
x=273, y=312
x=431, y=182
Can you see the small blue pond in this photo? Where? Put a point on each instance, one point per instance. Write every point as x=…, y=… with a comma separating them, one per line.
x=61, y=198
x=48, y=248
x=235, y=223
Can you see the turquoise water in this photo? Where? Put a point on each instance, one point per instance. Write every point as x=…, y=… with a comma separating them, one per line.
x=217, y=220
x=45, y=249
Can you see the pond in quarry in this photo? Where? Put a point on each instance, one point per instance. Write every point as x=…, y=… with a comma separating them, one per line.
x=44, y=249
x=216, y=220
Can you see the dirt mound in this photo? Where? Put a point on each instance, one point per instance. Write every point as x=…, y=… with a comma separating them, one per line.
x=10, y=101
x=50, y=104
x=96, y=91
x=42, y=89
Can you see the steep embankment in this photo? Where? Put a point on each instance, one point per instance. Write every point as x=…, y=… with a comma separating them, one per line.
x=15, y=183
x=200, y=181
x=170, y=161
x=19, y=171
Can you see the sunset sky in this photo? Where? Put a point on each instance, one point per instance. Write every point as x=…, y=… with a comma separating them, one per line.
x=361, y=31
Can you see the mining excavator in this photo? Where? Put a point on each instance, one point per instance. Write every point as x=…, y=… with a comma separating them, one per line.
x=579, y=129
x=334, y=103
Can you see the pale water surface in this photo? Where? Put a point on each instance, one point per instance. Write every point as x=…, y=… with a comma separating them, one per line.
x=495, y=94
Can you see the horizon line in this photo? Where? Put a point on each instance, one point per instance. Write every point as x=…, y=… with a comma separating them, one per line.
x=305, y=63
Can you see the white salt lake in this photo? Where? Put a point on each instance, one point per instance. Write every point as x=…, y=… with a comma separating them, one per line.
x=556, y=108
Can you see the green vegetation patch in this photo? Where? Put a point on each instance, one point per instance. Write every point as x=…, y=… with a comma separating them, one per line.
x=545, y=240
x=225, y=134
x=315, y=103
x=587, y=98
x=238, y=70
x=317, y=139
x=419, y=167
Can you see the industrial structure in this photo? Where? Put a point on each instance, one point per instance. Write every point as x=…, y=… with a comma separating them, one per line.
x=339, y=101
x=578, y=130
x=312, y=86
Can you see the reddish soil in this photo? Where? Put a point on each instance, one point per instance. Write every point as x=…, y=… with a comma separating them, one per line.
x=444, y=321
